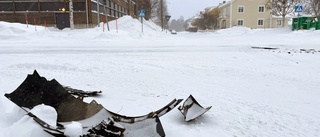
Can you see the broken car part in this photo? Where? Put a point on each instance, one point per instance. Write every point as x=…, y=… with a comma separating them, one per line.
x=191, y=109
x=37, y=90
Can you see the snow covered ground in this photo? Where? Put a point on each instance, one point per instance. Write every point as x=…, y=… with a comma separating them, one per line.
x=253, y=92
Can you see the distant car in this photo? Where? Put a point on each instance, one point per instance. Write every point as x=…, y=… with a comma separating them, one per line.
x=192, y=29
x=173, y=31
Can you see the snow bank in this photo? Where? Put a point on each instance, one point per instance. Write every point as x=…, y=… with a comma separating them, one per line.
x=26, y=126
x=46, y=113
x=74, y=129
x=134, y=27
x=19, y=31
x=235, y=30
x=128, y=28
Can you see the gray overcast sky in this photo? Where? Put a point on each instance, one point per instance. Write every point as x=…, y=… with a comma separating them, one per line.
x=188, y=8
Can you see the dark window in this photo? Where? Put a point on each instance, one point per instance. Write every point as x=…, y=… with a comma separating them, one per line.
x=261, y=8
x=94, y=6
x=79, y=6
x=101, y=9
x=103, y=2
x=279, y=22
x=53, y=6
x=260, y=22
x=240, y=22
x=240, y=9
x=26, y=0
x=108, y=3
x=6, y=7
x=26, y=6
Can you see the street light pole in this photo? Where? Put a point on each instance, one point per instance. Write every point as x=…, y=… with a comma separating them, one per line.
x=71, y=14
x=87, y=18
x=98, y=12
x=161, y=4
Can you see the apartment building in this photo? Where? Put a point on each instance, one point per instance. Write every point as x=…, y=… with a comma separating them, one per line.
x=248, y=13
x=57, y=13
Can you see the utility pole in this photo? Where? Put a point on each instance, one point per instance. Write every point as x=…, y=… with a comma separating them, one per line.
x=98, y=12
x=106, y=15
x=87, y=18
x=161, y=4
x=71, y=14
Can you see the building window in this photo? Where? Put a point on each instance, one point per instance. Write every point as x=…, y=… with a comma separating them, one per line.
x=107, y=3
x=6, y=7
x=112, y=13
x=240, y=22
x=261, y=8
x=241, y=9
x=260, y=22
x=26, y=6
x=103, y=2
x=279, y=22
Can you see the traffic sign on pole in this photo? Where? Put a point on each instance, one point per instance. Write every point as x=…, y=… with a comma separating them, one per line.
x=298, y=9
x=168, y=17
x=142, y=13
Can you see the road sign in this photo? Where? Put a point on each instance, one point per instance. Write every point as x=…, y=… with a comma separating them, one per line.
x=168, y=17
x=298, y=9
x=142, y=13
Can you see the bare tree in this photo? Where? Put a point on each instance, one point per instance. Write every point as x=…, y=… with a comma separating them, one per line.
x=177, y=24
x=198, y=21
x=315, y=7
x=207, y=19
x=156, y=12
x=145, y=5
x=154, y=6
x=213, y=15
x=281, y=7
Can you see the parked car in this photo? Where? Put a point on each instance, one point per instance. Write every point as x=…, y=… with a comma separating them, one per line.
x=173, y=31
x=192, y=29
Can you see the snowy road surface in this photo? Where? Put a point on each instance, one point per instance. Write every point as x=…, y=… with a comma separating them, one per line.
x=253, y=92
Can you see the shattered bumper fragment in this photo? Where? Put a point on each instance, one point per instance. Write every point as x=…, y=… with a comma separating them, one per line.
x=191, y=109
x=108, y=128
x=81, y=93
x=96, y=121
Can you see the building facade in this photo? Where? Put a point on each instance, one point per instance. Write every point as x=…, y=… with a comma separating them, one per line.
x=59, y=13
x=248, y=13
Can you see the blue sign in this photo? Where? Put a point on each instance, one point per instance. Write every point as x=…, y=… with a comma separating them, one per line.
x=142, y=13
x=298, y=8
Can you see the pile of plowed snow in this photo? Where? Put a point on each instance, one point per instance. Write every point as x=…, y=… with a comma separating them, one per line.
x=19, y=31
x=127, y=27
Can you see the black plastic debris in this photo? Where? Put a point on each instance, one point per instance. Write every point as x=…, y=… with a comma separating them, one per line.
x=81, y=93
x=108, y=128
x=191, y=109
x=158, y=113
x=267, y=48
x=36, y=90
x=47, y=128
x=95, y=119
